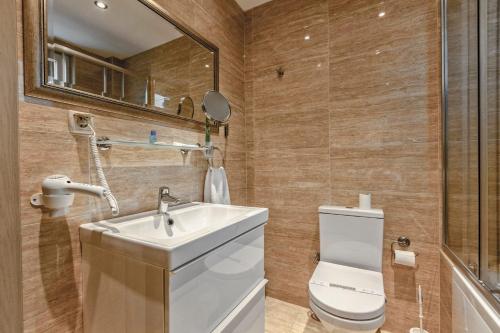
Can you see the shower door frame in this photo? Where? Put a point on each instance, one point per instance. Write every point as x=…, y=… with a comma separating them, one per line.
x=483, y=138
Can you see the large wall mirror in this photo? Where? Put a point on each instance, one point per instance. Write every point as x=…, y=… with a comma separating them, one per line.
x=121, y=53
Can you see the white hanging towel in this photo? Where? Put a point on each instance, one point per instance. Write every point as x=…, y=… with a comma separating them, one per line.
x=216, y=187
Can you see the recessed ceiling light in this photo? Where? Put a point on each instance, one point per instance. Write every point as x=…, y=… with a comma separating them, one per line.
x=307, y=37
x=101, y=4
x=207, y=66
x=381, y=14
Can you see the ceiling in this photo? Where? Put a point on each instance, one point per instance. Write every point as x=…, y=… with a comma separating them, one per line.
x=249, y=4
x=124, y=29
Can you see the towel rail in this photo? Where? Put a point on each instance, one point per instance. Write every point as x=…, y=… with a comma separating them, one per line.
x=209, y=155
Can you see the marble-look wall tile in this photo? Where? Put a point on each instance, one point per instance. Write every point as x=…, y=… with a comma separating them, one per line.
x=392, y=102
x=358, y=109
x=288, y=164
x=50, y=248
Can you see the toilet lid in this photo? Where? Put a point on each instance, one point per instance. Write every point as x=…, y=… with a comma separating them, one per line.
x=347, y=292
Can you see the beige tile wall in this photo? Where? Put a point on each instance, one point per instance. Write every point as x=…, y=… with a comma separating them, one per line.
x=358, y=109
x=343, y=119
x=50, y=248
x=10, y=230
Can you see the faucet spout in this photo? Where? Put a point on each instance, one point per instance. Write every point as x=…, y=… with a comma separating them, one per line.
x=164, y=198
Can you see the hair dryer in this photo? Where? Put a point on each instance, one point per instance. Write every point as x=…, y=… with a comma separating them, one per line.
x=58, y=193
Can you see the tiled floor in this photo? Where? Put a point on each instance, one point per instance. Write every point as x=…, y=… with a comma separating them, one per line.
x=282, y=317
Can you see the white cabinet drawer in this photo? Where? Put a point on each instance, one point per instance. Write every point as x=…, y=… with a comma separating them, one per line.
x=249, y=315
x=205, y=291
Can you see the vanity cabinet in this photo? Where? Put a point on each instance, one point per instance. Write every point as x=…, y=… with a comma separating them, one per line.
x=220, y=291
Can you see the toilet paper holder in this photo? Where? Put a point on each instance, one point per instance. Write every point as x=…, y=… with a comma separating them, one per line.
x=404, y=243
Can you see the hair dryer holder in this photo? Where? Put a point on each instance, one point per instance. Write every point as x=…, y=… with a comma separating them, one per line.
x=57, y=205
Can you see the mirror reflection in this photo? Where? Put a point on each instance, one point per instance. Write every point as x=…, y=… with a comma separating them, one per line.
x=126, y=52
x=186, y=107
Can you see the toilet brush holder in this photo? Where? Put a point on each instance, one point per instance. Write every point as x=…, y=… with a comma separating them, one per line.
x=420, y=301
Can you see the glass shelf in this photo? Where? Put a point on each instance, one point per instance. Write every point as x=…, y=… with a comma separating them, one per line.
x=105, y=143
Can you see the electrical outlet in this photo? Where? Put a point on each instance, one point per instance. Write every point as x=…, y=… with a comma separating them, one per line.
x=79, y=123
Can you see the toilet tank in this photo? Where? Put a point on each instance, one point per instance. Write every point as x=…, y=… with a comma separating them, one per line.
x=352, y=236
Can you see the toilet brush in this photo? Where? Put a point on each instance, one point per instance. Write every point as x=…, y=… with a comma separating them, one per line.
x=420, y=300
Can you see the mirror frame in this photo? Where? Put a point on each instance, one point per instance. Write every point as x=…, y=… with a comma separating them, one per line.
x=35, y=68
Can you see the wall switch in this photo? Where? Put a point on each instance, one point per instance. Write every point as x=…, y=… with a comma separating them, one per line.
x=79, y=122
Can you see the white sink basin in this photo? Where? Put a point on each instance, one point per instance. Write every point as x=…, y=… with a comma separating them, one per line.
x=195, y=230
x=187, y=222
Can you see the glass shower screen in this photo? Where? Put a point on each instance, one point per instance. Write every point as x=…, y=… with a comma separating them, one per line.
x=471, y=109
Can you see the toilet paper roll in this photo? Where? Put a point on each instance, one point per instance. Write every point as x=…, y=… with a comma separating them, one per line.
x=365, y=200
x=406, y=258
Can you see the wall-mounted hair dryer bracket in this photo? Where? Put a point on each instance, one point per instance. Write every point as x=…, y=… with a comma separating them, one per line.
x=58, y=194
x=57, y=205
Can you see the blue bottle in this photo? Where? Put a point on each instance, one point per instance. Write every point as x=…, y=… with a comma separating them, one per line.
x=152, y=137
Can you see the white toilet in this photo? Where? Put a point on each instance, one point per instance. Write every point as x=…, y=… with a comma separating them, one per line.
x=346, y=290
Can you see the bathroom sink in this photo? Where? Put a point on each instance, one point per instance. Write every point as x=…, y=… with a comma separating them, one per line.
x=186, y=223
x=191, y=232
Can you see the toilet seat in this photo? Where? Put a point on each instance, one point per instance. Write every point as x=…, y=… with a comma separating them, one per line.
x=350, y=293
x=332, y=322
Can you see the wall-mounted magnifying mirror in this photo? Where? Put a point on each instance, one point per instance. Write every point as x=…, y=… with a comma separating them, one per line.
x=216, y=107
x=186, y=107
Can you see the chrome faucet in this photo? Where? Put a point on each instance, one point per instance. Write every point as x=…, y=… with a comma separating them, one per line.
x=164, y=199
